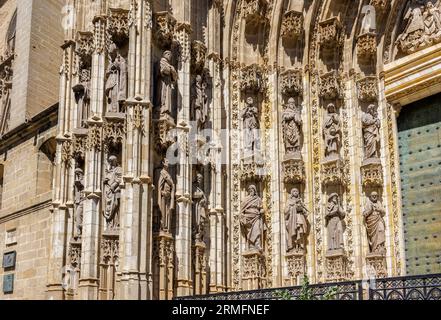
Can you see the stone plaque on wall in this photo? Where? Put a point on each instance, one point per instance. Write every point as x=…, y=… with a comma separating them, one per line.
x=9, y=259
x=8, y=283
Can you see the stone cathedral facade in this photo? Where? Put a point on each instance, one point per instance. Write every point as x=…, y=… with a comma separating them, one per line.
x=152, y=149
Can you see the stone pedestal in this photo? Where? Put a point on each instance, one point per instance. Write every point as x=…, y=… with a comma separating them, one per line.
x=296, y=265
x=293, y=169
x=108, y=264
x=73, y=270
x=376, y=265
x=200, y=268
x=336, y=261
x=253, y=270
x=367, y=46
x=372, y=173
x=163, y=252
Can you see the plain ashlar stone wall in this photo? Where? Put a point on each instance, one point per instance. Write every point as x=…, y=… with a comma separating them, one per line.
x=32, y=247
x=38, y=58
x=7, y=9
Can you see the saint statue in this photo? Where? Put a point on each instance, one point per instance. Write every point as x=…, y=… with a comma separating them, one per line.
x=292, y=127
x=82, y=97
x=369, y=20
x=250, y=116
x=116, y=84
x=166, y=84
x=432, y=20
x=252, y=220
x=112, y=193
x=199, y=102
x=371, y=133
x=332, y=132
x=79, y=202
x=335, y=223
x=166, y=196
x=373, y=214
x=296, y=223
x=415, y=21
x=200, y=203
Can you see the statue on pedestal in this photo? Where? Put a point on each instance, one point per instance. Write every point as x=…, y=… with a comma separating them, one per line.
x=373, y=214
x=112, y=193
x=371, y=133
x=251, y=220
x=335, y=223
x=116, y=84
x=82, y=97
x=292, y=127
x=200, y=203
x=296, y=223
x=166, y=83
x=79, y=202
x=332, y=132
x=250, y=116
x=166, y=196
x=199, y=102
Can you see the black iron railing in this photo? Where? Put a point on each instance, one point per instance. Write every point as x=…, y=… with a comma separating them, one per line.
x=425, y=287
x=332, y=291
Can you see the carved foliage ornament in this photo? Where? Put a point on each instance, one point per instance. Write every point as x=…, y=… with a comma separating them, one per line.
x=291, y=82
x=367, y=46
x=109, y=250
x=165, y=27
x=198, y=56
x=367, y=89
x=254, y=11
x=85, y=47
x=330, y=32
x=252, y=79
x=329, y=85
x=292, y=25
x=118, y=24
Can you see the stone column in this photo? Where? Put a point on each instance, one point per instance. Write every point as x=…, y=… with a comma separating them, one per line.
x=184, y=174
x=60, y=194
x=88, y=287
x=136, y=214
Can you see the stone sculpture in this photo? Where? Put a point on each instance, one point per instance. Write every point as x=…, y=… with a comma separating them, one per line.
x=166, y=84
x=166, y=196
x=373, y=214
x=79, y=202
x=200, y=203
x=250, y=116
x=116, y=84
x=82, y=97
x=112, y=193
x=296, y=223
x=335, y=223
x=292, y=128
x=332, y=132
x=252, y=220
x=371, y=133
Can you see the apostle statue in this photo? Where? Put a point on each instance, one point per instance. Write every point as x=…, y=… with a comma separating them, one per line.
x=200, y=203
x=292, y=127
x=371, y=133
x=166, y=196
x=116, y=84
x=79, y=202
x=415, y=22
x=252, y=220
x=369, y=20
x=250, y=116
x=166, y=84
x=335, y=223
x=112, y=193
x=82, y=97
x=373, y=214
x=332, y=132
x=296, y=223
x=199, y=102
x=432, y=20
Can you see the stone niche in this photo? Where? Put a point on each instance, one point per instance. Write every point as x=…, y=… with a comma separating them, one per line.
x=367, y=89
x=367, y=46
x=165, y=25
x=254, y=12
x=291, y=82
x=292, y=25
x=329, y=85
x=252, y=79
x=198, y=56
x=329, y=31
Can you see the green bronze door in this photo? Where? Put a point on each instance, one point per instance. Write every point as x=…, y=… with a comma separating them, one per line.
x=419, y=137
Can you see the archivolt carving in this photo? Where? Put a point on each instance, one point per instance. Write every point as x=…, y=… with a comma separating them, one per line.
x=329, y=31
x=292, y=25
x=291, y=82
x=330, y=85
x=252, y=78
x=367, y=89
